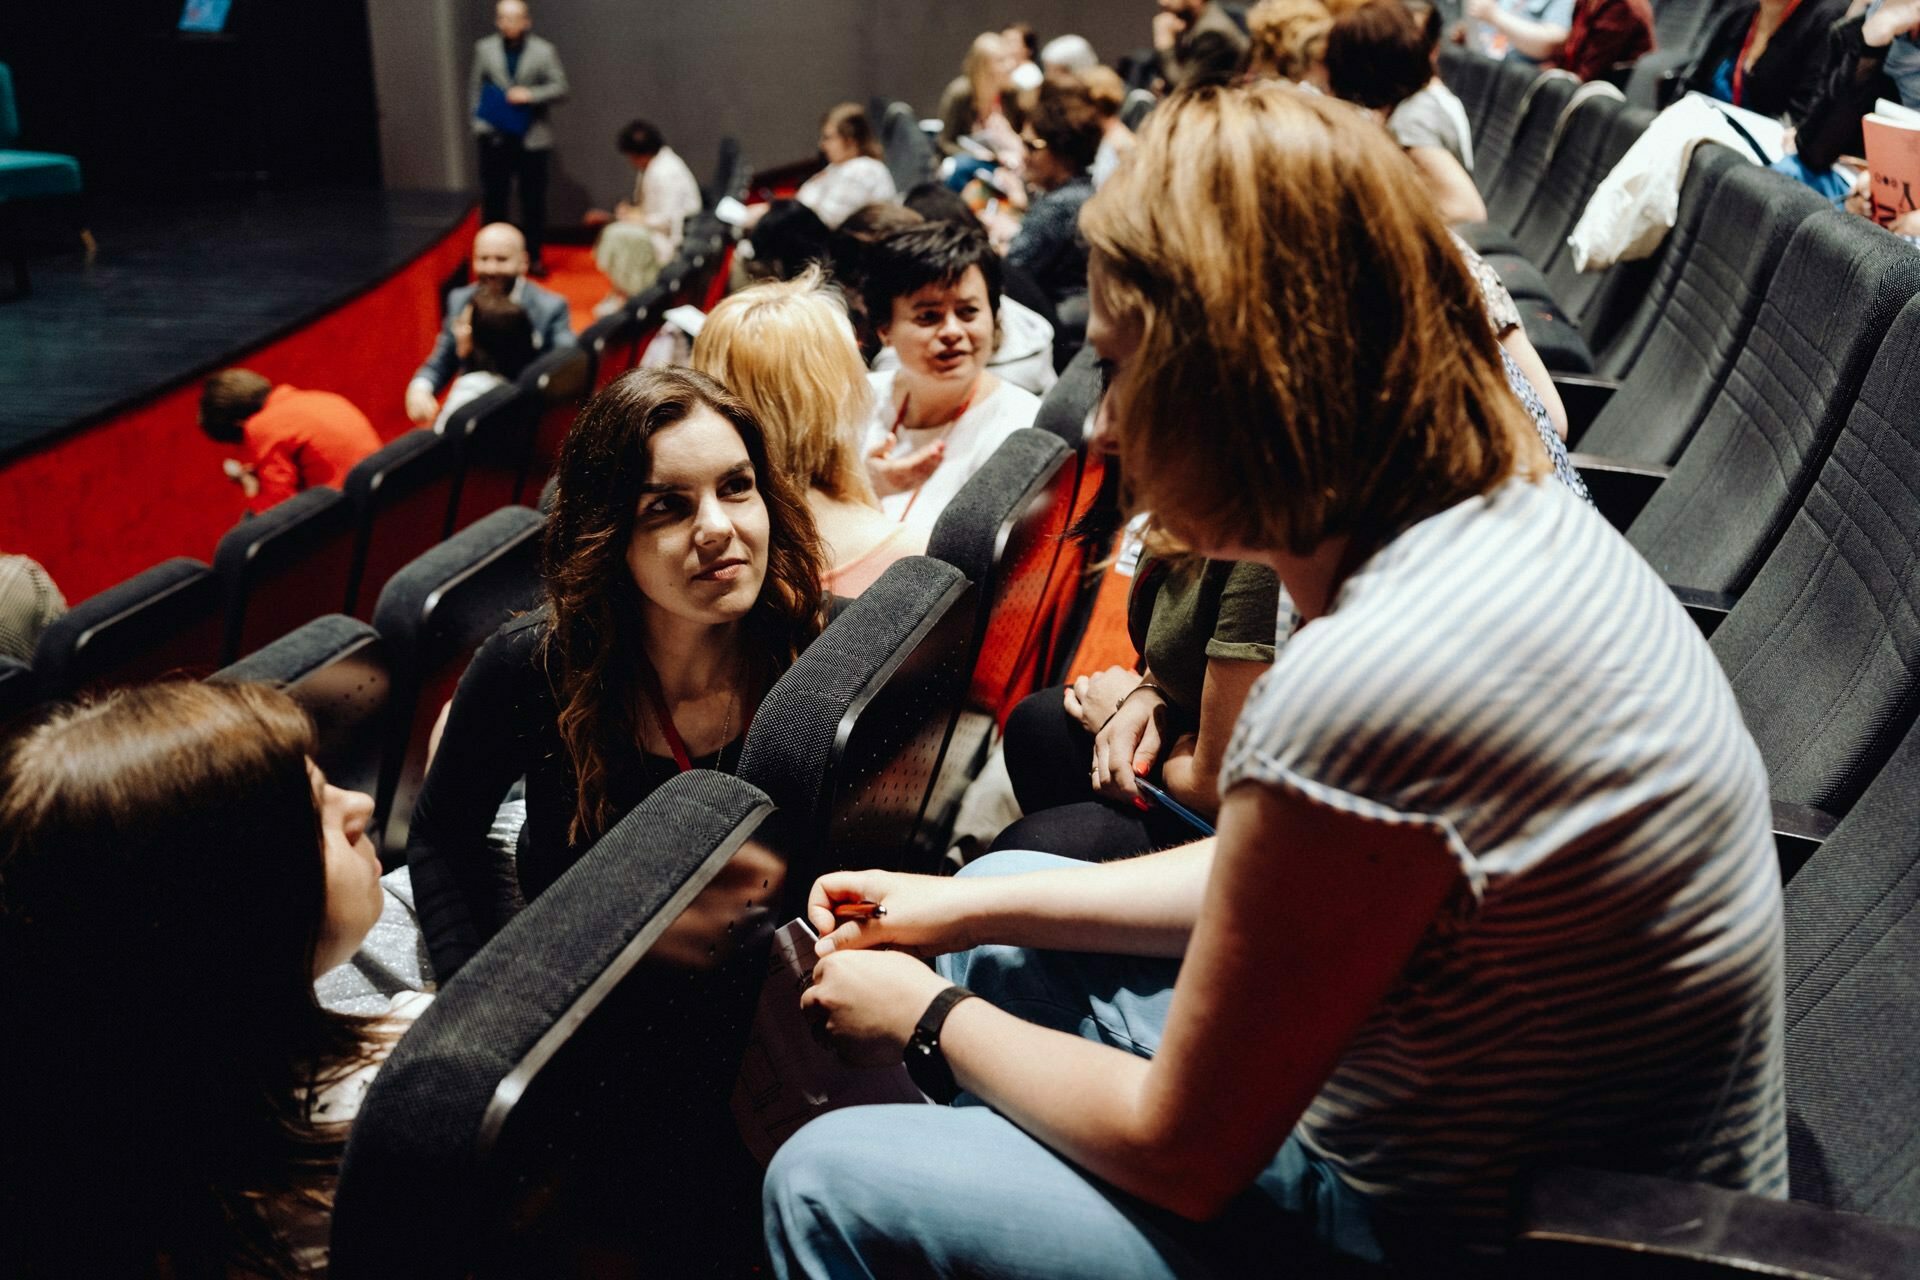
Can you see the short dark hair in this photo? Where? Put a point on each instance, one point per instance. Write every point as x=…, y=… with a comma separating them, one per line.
x=640, y=138
x=1377, y=56
x=788, y=237
x=228, y=399
x=907, y=261
x=937, y=202
x=502, y=335
x=1063, y=116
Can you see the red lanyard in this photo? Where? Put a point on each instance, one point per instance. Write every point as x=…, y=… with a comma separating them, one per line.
x=1740, y=61
x=906, y=402
x=650, y=682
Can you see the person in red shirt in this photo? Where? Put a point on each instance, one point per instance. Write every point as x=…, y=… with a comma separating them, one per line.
x=292, y=439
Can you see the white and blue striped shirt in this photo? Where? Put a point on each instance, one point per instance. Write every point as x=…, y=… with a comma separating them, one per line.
x=1604, y=988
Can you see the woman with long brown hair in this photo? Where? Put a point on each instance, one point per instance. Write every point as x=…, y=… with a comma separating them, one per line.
x=174, y=874
x=683, y=575
x=1493, y=885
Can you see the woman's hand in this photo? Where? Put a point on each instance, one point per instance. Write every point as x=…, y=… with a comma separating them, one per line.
x=869, y=1002
x=925, y=915
x=1128, y=746
x=1093, y=699
x=906, y=472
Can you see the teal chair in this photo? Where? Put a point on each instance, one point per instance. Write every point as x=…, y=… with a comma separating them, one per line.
x=27, y=175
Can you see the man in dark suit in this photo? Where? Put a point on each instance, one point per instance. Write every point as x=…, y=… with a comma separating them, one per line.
x=516, y=76
x=499, y=264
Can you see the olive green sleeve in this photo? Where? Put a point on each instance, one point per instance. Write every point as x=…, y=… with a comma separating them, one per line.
x=1249, y=605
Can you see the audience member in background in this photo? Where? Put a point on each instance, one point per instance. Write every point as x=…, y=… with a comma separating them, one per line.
x=290, y=439
x=1196, y=42
x=1071, y=54
x=1023, y=346
x=1063, y=135
x=975, y=104
x=682, y=576
x=933, y=292
x=1598, y=39
x=499, y=266
x=1287, y=40
x=516, y=76
x=1447, y=791
x=1378, y=57
x=174, y=874
x=1874, y=53
x=642, y=235
x=1769, y=57
x=1433, y=115
x=855, y=174
x=496, y=346
x=787, y=350
x=1108, y=93
x=29, y=600
x=787, y=238
x=1024, y=44
x=1493, y=38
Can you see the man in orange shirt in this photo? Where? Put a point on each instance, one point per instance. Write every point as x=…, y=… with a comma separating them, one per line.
x=292, y=439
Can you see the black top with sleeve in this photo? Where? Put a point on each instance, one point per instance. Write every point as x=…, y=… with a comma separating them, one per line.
x=1789, y=75
x=504, y=726
x=1856, y=77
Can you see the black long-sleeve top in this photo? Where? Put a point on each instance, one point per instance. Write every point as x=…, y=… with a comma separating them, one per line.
x=1856, y=77
x=1787, y=78
x=504, y=726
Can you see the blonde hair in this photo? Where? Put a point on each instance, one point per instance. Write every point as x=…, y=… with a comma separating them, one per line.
x=1269, y=248
x=978, y=68
x=1287, y=37
x=1106, y=88
x=788, y=350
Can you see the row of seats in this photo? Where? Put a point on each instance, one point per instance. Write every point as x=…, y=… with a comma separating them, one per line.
x=326, y=550
x=1747, y=423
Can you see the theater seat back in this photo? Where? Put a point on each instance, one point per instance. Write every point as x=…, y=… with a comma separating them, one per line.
x=1571, y=287
x=1507, y=101
x=560, y=382
x=166, y=621
x=1473, y=78
x=495, y=437
x=284, y=567
x=1770, y=428
x=848, y=741
x=1517, y=184
x=434, y=613
x=337, y=668
x=1574, y=168
x=402, y=498
x=19, y=692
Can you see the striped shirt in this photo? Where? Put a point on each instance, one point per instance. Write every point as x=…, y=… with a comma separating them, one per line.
x=1604, y=987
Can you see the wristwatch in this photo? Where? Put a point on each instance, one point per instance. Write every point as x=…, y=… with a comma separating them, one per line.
x=926, y=1065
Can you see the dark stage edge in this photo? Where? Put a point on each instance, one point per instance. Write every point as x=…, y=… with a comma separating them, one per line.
x=180, y=288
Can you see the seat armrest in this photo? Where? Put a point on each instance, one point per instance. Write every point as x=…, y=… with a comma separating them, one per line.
x=1619, y=488
x=1584, y=396
x=1798, y=832
x=1708, y=609
x=1577, y=1223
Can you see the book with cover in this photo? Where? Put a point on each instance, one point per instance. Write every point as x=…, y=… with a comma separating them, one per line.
x=1893, y=160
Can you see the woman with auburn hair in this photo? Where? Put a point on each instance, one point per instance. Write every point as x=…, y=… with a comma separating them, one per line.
x=682, y=578
x=1493, y=886
x=855, y=176
x=788, y=351
x=174, y=874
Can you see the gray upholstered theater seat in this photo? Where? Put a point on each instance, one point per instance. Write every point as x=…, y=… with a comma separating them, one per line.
x=1824, y=648
x=1512, y=189
x=1474, y=78
x=1697, y=321
x=433, y=614
x=1853, y=1094
x=283, y=567
x=564, y=1099
x=335, y=667
x=402, y=500
x=165, y=621
x=1004, y=531
x=1751, y=463
x=848, y=741
x=19, y=692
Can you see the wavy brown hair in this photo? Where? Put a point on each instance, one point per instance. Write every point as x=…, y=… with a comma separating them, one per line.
x=162, y=896
x=1272, y=251
x=593, y=646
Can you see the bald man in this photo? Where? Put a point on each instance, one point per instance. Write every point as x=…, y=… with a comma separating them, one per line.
x=516, y=77
x=500, y=265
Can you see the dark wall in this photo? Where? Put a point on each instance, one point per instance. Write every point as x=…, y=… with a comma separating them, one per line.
x=760, y=70
x=285, y=97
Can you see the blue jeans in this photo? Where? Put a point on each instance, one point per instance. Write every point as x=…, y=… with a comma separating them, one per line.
x=945, y=1191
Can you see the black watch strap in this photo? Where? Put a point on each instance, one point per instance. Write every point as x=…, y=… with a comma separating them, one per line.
x=926, y=1065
